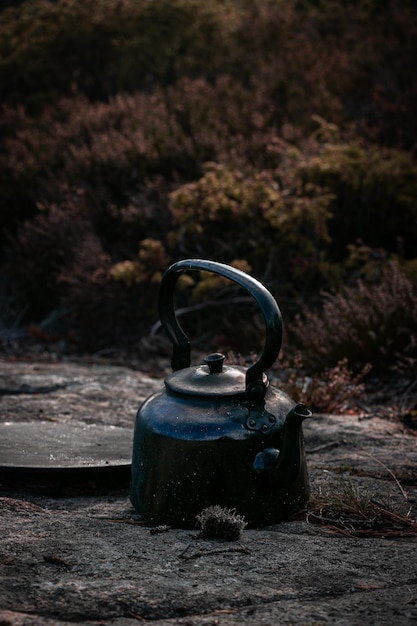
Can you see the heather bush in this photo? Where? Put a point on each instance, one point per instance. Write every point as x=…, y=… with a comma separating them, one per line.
x=264, y=223
x=133, y=170
x=43, y=248
x=95, y=154
x=333, y=389
x=101, y=313
x=73, y=279
x=149, y=267
x=74, y=256
x=350, y=63
x=119, y=150
x=139, y=132
x=375, y=191
x=278, y=230
x=103, y=172
x=101, y=48
x=372, y=324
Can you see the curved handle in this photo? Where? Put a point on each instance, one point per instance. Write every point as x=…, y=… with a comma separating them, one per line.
x=255, y=387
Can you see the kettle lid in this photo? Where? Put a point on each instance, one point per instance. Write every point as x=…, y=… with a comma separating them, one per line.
x=211, y=379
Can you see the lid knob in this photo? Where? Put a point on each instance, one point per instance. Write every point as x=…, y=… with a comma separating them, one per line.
x=215, y=362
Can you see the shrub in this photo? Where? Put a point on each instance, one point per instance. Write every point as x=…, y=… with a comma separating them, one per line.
x=101, y=313
x=277, y=230
x=133, y=170
x=351, y=63
x=374, y=324
x=101, y=48
x=332, y=390
x=375, y=191
x=118, y=150
x=190, y=129
x=41, y=251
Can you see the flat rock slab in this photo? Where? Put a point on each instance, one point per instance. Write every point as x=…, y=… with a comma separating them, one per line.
x=91, y=560
x=67, y=391
x=55, y=458
x=86, y=561
x=46, y=446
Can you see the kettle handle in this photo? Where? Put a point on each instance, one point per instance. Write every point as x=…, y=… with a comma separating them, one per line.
x=181, y=357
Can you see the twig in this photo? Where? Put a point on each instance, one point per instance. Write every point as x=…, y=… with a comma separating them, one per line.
x=390, y=472
x=197, y=555
x=198, y=307
x=325, y=446
x=134, y=615
x=383, y=533
x=121, y=520
x=367, y=527
x=56, y=560
x=407, y=392
x=399, y=519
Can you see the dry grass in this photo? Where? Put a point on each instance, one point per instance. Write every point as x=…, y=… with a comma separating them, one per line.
x=358, y=512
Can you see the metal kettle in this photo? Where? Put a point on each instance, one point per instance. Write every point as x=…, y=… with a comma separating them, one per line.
x=218, y=434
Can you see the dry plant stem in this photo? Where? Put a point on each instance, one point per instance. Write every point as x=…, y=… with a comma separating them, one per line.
x=196, y=555
x=128, y=521
x=390, y=472
x=401, y=519
x=408, y=391
x=201, y=306
x=349, y=527
x=383, y=534
x=57, y=560
x=325, y=446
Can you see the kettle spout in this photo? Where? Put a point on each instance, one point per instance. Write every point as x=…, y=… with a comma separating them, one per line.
x=287, y=466
x=298, y=414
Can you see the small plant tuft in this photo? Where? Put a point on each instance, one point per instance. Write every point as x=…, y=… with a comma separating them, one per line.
x=221, y=523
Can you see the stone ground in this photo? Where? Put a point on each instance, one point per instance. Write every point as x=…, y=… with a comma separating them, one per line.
x=89, y=560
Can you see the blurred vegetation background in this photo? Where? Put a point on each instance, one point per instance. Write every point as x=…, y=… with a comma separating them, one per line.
x=278, y=136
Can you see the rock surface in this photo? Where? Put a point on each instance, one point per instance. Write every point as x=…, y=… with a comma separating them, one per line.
x=90, y=560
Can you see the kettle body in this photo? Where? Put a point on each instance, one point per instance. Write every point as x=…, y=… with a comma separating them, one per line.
x=218, y=434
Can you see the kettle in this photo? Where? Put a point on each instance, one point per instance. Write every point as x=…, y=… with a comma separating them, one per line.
x=218, y=434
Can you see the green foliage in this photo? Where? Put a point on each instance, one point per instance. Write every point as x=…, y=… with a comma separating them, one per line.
x=151, y=264
x=279, y=230
x=48, y=49
x=375, y=191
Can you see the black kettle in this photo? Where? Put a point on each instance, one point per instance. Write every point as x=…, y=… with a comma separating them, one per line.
x=218, y=434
